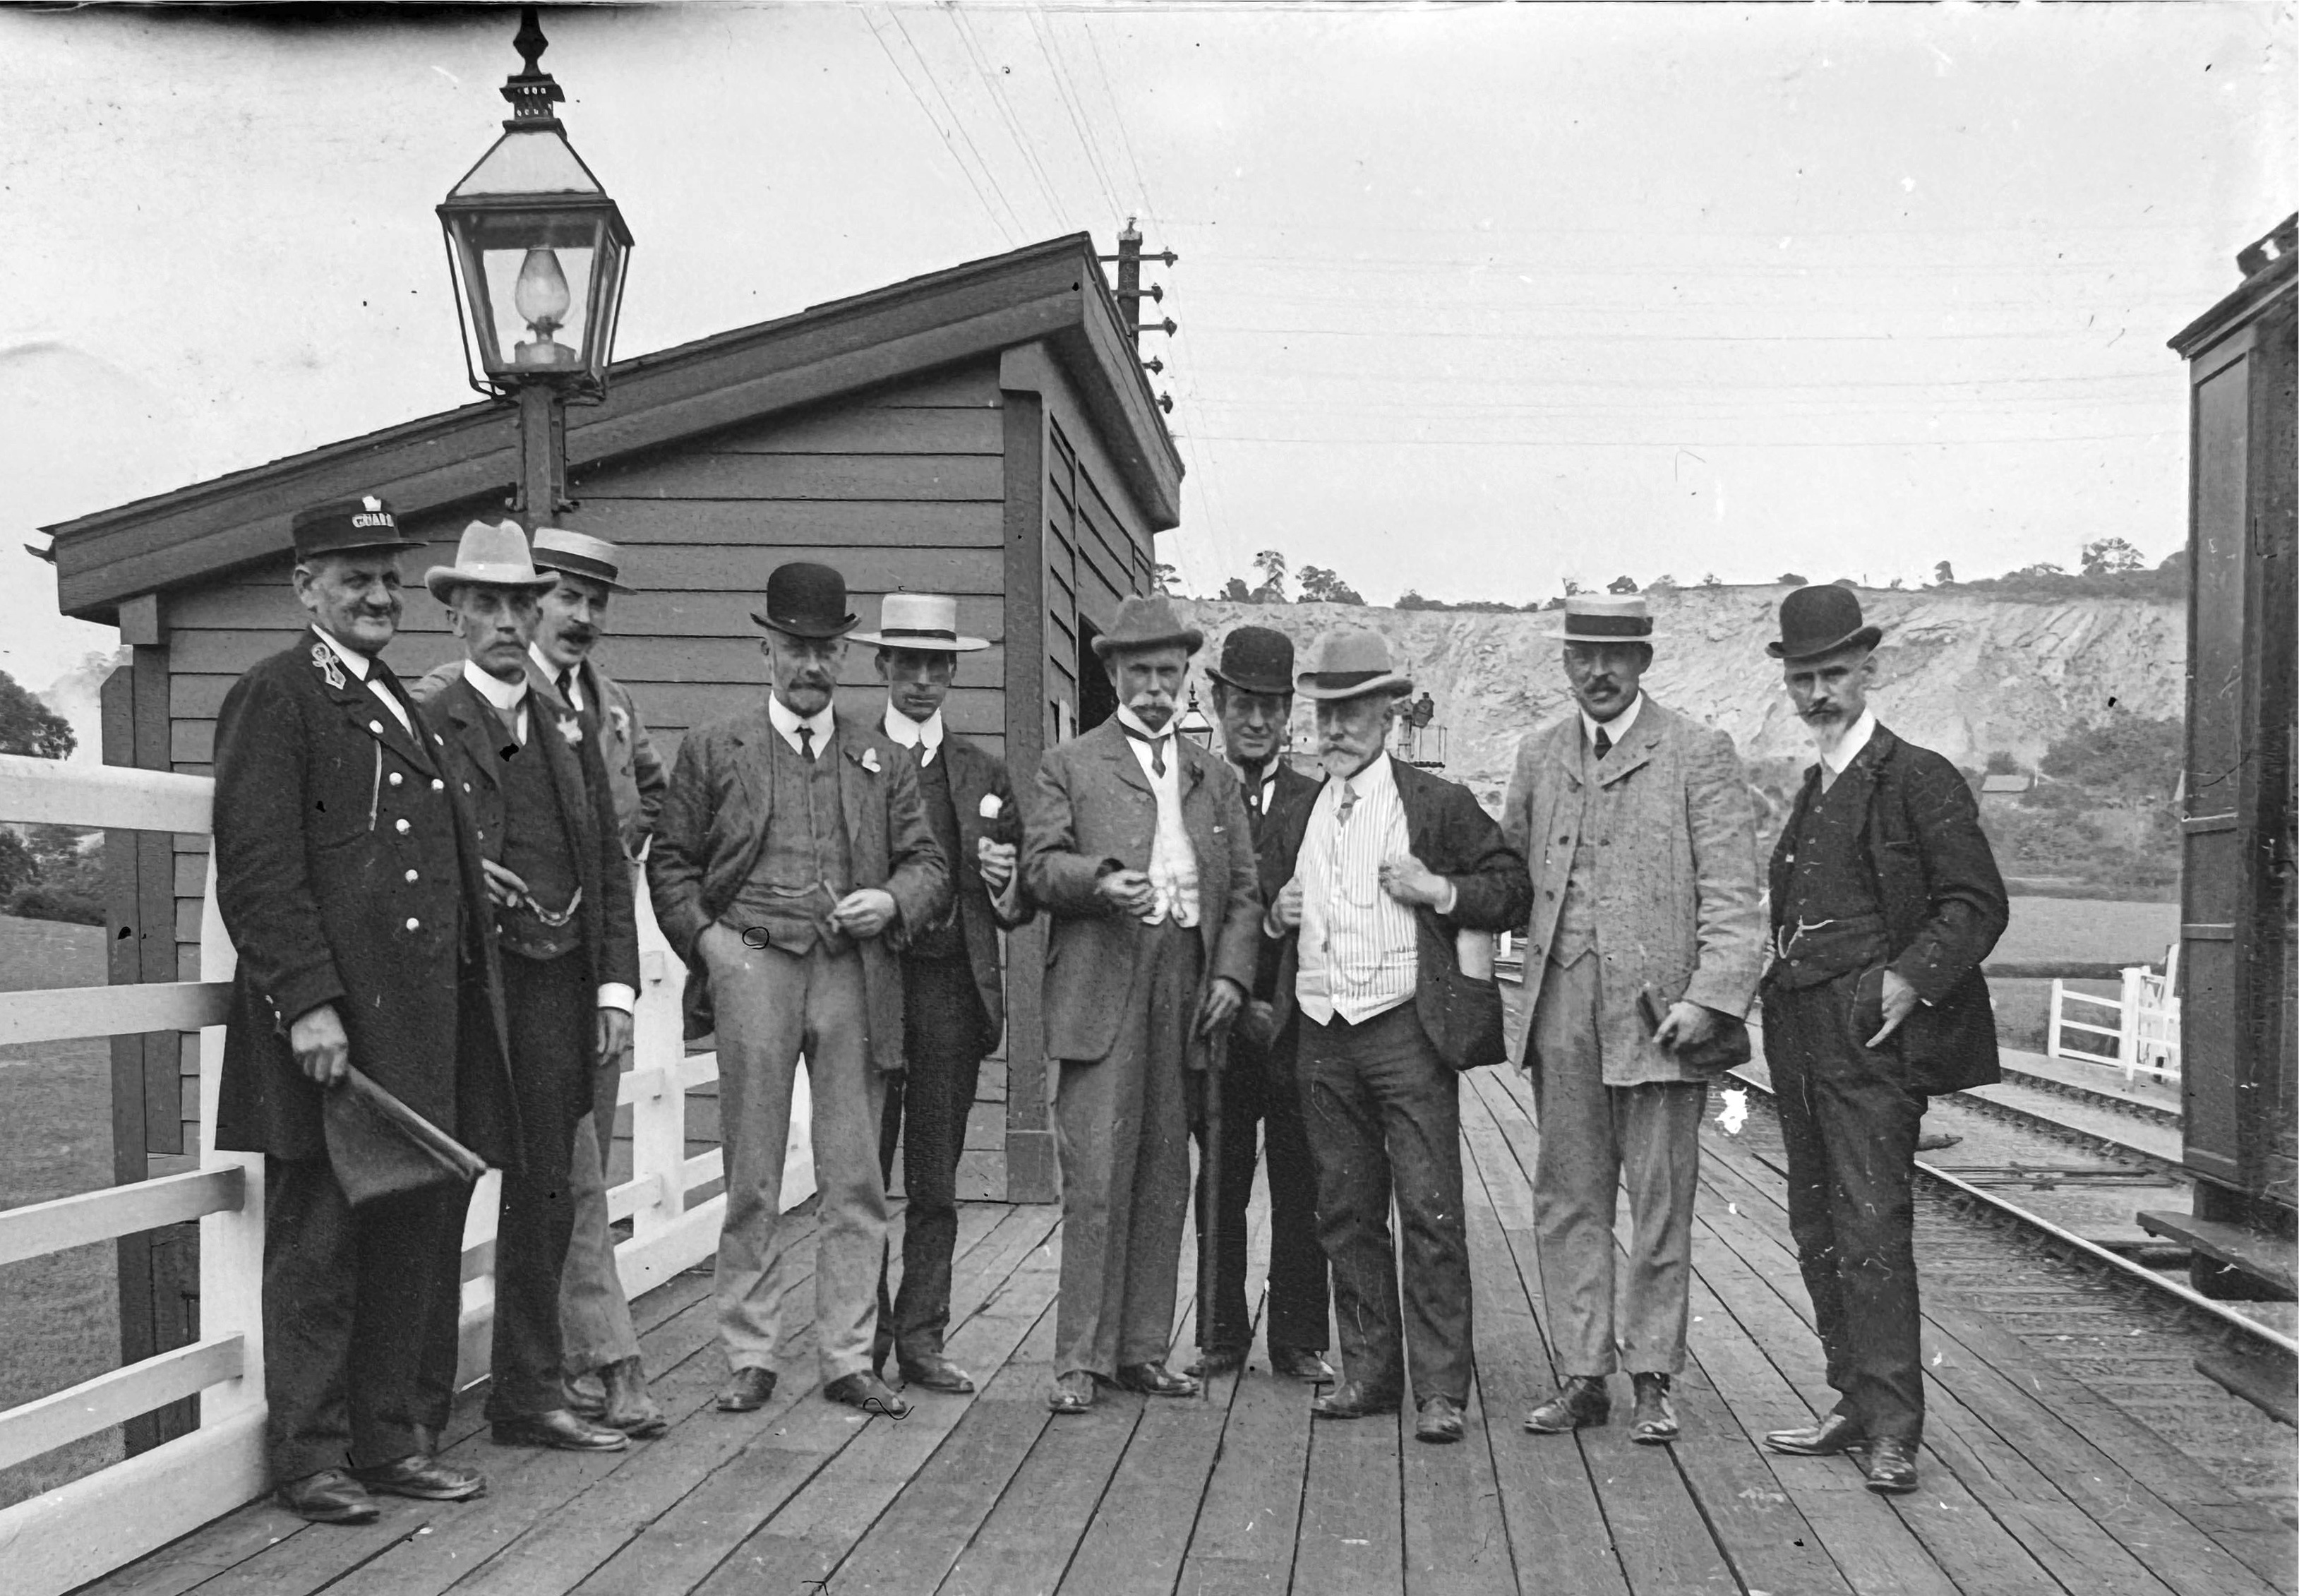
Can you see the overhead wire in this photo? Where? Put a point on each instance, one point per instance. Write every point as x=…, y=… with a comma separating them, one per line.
x=998, y=102
x=934, y=81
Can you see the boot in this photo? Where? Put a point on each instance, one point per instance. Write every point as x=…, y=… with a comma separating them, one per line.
x=628, y=1406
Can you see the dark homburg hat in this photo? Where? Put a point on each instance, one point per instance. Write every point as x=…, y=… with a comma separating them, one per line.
x=579, y=554
x=1819, y=620
x=1256, y=659
x=1146, y=623
x=363, y=523
x=806, y=600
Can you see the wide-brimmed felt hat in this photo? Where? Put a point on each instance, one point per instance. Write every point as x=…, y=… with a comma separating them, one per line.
x=1352, y=664
x=1611, y=617
x=806, y=600
x=1256, y=659
x=1819, y=620
x=1146, y=623
x=579, y=554
x=348, y=524
x=926, y=621
x=490, y=554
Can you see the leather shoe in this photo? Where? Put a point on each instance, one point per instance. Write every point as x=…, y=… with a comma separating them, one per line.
x=330, y=1496
x=1581, y=1402
x=1891, y=1466
x=1155, y=1379
x=585, y=1393
x=1350, y=1400
x=1301, y=1363
x=1440, y=1421
x=1653, y=1422
x=864, y=1390
x=424, y=1477
x=1837, y=1433
x=1216, y=1362
x=1072, y=1392
x=937, y=1372
x=629, y=1408
x=746, y=1389
x=559, y=1430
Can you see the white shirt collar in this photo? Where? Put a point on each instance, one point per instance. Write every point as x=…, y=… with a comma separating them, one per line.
x=1366, y=783
x=1617, y=728
x=357, y=662
x=787, y=720
x=502, y=695
x=552, y=673
x=1847, y=747
x=1126, y=716
x=903, y=732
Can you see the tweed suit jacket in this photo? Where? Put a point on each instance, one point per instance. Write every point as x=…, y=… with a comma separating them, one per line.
x=1093, y=813
x=714, y=826
x=1678, y=849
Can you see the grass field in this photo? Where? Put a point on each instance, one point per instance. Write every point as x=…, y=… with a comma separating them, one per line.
x=2086, y=931
x=59, y=1315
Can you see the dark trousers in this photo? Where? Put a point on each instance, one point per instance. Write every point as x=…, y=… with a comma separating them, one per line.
x=926, y=1107
x=549, y=1007
x=1850, y=1124
x=1384, y=1119
x=346, y=1295
x=1259, y=1092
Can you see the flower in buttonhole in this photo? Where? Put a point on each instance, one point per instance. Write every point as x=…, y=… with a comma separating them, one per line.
x=1734, y=1114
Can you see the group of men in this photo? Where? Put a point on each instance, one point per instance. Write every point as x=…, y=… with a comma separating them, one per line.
x=1293, y=970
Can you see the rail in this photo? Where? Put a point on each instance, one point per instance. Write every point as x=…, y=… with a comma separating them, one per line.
x=66, y=1536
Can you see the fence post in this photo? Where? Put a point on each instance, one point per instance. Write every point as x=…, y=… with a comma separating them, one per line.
x=2052, y=1036
x=659, y=1103
x=2127, y=1042
x=231, y=1242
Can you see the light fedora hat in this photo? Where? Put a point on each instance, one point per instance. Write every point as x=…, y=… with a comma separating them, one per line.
x=580, y=554
x=1611, y=617
x=1351, y=664
x=490, y=554
x=927, y=621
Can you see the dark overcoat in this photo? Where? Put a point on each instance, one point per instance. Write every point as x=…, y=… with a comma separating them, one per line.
x=1094, y=813
x=1943, y=901
x=714, y=823
x=1277, y=834
x=973, y=774
x=347, y=873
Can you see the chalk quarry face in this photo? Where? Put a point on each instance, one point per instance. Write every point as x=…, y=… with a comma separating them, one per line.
x=1964, y=673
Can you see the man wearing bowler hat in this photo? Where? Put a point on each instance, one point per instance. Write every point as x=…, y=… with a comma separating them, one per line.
x=954, y=985
x=352, y=887
x=1253, y=700
x=1399, y=873
x=1885, y=900
x=793, y=858
x=1644, y=944
x=1140, y=848
x=568, y=942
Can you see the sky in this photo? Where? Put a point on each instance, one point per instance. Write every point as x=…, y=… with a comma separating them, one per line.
x=1472, y=300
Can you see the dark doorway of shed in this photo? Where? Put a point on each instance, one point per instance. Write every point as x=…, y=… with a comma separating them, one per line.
x=1097, y=699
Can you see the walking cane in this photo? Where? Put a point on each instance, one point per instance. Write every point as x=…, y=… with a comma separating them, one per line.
x=1209, y=1214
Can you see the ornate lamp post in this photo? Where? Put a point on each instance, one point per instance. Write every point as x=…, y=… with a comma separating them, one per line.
x=537, y=252
x=1193, y=724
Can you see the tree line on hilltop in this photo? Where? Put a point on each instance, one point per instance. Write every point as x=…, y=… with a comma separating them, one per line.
x=46, y=872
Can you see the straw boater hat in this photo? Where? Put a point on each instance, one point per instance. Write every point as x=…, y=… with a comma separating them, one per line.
x=1256, y=659
x=806, y=600
x=491, y=554
x=1590, y=617
x=1146, y=623
x=364, y=523
x=580, y=554
x=926, y=621
x=1819, y=620
x=1350, y=665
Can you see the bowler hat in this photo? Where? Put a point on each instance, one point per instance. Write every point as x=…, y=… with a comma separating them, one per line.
x=926, y=621
x=1256, y=659
x=490, y=554
x=1352, y=664
x=579, y=554
x=1596, y=618
x=1146, y=623
x=806, y=600
x=1819, y=620
x=361, y=523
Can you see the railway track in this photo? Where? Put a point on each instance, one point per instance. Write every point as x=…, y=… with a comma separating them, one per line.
x=2027, y=1218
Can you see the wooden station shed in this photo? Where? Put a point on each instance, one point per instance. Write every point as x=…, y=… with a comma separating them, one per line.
x=986, y=431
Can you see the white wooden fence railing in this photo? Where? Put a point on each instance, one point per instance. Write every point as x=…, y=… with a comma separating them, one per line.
x=2146, y=1023
x=66, y=1536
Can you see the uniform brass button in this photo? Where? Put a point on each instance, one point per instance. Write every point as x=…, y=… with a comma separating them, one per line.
x=404, y=828
x=376, y=726
x=414, y=924
x=396, y=779
x=415, y=875
x=440, y=786
x=466, y=786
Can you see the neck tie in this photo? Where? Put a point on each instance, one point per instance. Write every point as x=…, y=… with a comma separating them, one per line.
x=1157, y=741
x=567, y=687
x=1603, y=742
x=806, y=742
x=1349, y=802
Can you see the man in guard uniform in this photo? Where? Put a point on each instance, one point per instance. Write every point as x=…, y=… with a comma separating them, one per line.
x=1885, y=900
x=793, y=856
x=1253, y=699
x=569, y=951
x=953, y=993
x=1138, y=847
x=352, y=887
